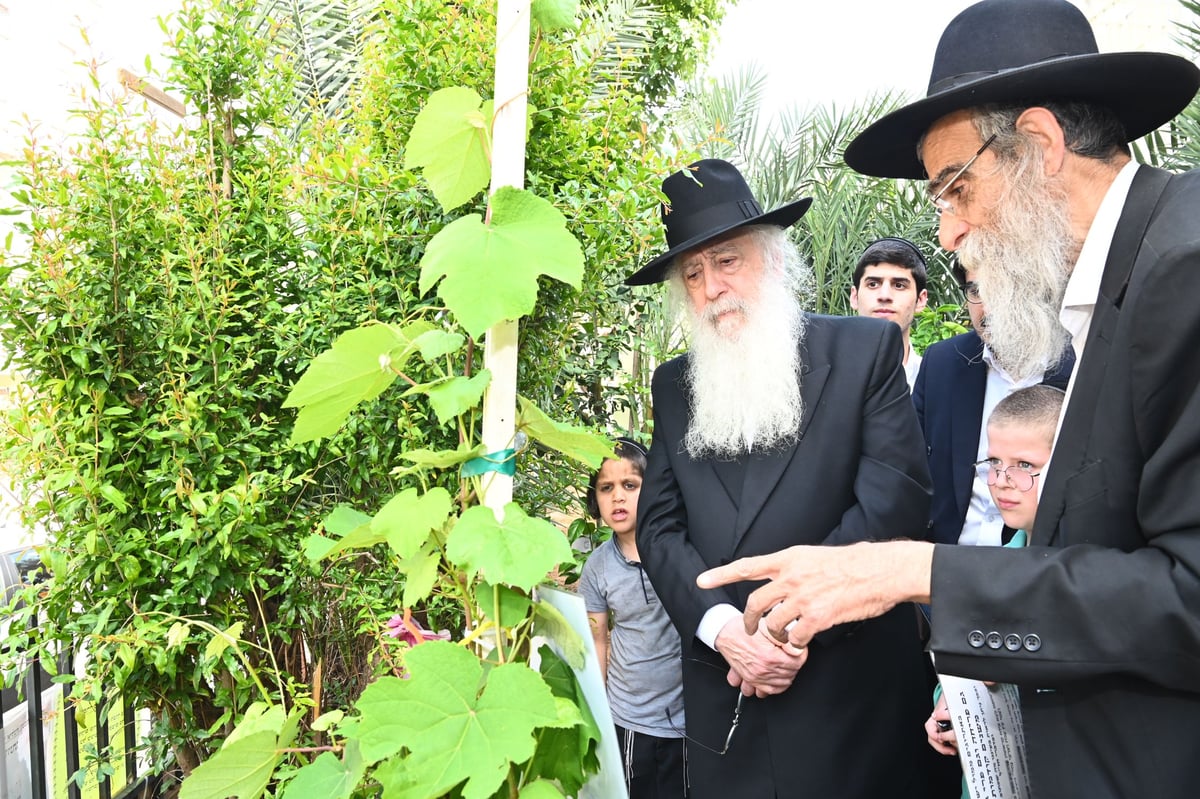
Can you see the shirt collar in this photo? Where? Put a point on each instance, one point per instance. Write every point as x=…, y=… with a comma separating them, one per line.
x=1084, y=285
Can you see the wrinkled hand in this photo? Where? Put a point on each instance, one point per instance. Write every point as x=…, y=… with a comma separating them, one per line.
x=818, y=587
x=758, y=665
x=943, y=741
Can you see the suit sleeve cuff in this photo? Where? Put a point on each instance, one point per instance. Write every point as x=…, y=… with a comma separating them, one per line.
x=714, y=620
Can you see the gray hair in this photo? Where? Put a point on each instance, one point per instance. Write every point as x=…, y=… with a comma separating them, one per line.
x=1089, y=130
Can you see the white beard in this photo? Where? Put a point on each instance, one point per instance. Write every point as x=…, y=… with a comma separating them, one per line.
x=745, y=385
x=1022, y=261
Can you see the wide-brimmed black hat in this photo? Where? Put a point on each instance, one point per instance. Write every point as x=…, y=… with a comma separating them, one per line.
x=704, y=200
x=1014, y=51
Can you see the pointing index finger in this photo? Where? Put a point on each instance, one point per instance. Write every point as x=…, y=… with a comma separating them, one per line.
x=752, y=568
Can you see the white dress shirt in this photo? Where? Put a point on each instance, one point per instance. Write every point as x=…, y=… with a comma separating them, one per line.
x=1079, y=302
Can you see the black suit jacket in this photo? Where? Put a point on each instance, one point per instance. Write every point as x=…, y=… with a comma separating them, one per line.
x=948, y=395
x=850, y=725
x=1105, y=604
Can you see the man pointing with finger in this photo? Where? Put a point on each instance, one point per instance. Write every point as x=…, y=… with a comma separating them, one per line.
x=778, y=428
x=1023, y=137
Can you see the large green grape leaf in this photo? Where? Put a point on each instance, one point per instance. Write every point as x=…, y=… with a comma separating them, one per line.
x=491, y=270
x=329, y=776
x=575, y=442
x=239, y=769
x=360, y=365
x=244, y=764
x=450, y=141
x=454, y=395
x=519, y=551
x=406, y=519
x=453, y=728
x=552, y=15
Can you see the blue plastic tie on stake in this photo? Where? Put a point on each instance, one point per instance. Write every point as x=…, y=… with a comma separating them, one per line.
x=503, y=461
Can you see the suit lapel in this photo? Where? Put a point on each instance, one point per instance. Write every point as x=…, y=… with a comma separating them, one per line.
x=763, y=471
x=966, y=410
x=1071, y=448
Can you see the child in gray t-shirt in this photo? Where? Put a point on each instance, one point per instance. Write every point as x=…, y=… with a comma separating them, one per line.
x=639, y=658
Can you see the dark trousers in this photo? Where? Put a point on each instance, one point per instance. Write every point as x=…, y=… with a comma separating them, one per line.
x=655, y=768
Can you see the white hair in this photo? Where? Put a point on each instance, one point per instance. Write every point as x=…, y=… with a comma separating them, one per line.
x=745, y=385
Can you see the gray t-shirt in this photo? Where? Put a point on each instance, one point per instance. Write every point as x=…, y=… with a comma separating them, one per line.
x=644, y=671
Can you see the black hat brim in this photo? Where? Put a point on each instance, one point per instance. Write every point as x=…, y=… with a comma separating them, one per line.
x=655, y=271
x=1144, y=90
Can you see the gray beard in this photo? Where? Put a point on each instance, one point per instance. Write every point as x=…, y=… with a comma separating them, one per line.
x=745, y=387
x=1022, y=262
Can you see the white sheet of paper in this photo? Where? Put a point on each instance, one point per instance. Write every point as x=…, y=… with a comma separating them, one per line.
x=991, y=740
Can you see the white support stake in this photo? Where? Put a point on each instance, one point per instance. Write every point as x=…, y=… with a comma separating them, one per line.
x=508, y=169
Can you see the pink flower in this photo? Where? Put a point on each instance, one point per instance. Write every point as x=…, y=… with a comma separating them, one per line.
x=408, y=629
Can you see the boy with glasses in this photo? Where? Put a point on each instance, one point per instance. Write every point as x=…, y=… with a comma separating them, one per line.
x=959, y=384
x=1020, y=434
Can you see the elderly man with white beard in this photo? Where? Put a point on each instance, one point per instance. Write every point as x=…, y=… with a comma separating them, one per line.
x=778, y=428
x=1023, y=137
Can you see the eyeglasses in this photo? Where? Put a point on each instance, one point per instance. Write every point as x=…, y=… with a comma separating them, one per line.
x=941, y=206
x=733, y=724
x=1019, y=475
x=971, y=292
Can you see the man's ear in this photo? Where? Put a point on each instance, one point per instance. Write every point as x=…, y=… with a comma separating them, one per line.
x=922, y=299
x=854, y=297
x=1040, y=125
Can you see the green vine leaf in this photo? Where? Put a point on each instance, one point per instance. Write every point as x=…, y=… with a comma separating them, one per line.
x=451, y=142
x=454, y=724
x=445, y=458
x=223, y=640
x=513, y=604
x=575, y=442
x=329, y=776
x=491, y=270
x=542, y=789
x=354, y=529
x=552, y=15
x=343, y=520
x=420, y=573
x=361, y=364
x=243, y=765
x=569, y=752
x=406, y=520
x=455, y=395
x=519, y=551
x=436, y=343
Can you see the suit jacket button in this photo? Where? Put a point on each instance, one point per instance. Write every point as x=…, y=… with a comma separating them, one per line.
x=975, y=638
x=1012, y=642
x=1033, y=642
x=994, y=640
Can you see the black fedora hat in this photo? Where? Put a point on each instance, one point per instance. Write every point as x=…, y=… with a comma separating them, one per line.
x=704, y=200
x=1014, y=51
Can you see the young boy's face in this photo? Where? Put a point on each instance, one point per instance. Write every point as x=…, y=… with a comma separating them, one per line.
x=617, y=488
x=1024, y=452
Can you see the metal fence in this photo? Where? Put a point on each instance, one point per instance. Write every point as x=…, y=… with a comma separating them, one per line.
x=45, y=737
